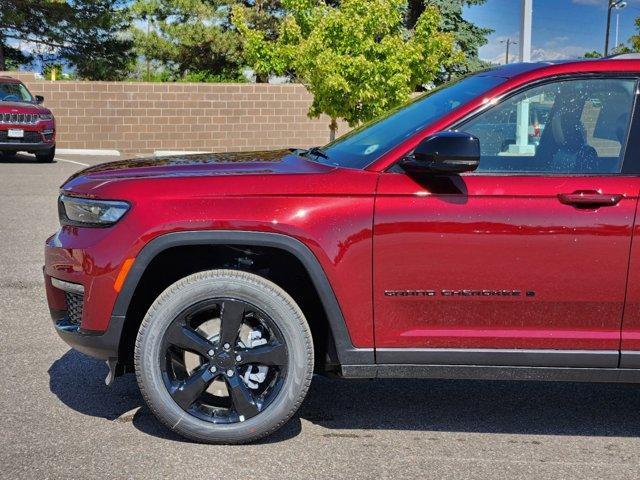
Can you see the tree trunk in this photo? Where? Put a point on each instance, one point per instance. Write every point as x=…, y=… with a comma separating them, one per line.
x=3, y=62
x=414, y=10
x=333, y=127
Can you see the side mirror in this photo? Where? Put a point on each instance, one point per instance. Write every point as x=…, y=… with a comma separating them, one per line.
x=39, y=99
x=445, y=152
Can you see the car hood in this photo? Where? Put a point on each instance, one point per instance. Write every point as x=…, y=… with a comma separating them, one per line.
x=22, y=107
x=244, y=163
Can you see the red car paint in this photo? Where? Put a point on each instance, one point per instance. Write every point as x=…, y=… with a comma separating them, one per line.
x=36, y=121
x=374, y=230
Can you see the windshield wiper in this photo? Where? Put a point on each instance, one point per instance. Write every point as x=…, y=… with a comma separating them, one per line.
x=318, y=152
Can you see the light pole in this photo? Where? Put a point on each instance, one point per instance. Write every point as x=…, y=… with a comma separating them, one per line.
x=508, y=42
x=619, y=7
x=617, y=4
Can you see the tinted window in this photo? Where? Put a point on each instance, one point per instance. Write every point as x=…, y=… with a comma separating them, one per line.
x=363, y=145
x=571, y=126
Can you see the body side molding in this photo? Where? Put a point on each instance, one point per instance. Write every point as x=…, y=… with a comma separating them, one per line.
x=629, y=359
x=499, y=357
x=347, y=353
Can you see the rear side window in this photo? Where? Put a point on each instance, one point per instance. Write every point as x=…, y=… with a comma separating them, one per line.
x=568, y=126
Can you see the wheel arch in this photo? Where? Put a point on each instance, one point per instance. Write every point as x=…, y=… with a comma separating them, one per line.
x=346, y=353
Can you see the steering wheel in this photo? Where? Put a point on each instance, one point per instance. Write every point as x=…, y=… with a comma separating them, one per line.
x=12, y=97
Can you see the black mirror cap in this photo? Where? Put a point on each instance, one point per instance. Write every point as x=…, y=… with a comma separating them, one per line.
x=39, y=99
x=447, y=152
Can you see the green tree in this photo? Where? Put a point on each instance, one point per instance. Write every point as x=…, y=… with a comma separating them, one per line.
x=358, y=59
x=622, y=49
x=86, y=34
x=99, y=49
x=12, y=58
x=592, y=54
x=468, y=37
x=635, y=39
x=188, y=37
x=29, y=20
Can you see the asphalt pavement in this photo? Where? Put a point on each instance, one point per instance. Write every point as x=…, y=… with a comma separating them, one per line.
x=59, y=420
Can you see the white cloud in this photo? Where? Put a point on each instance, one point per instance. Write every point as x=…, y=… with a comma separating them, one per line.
x=540, y=54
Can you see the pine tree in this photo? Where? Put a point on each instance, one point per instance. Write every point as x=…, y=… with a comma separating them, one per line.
x=468, y=37
x=86, y=34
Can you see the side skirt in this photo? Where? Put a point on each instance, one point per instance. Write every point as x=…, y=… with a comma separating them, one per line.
x=499, y=357
x=474, y=372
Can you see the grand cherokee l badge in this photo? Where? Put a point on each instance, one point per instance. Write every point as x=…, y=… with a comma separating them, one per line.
x=458, y=293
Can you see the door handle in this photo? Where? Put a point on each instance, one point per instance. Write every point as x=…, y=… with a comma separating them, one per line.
x=590, y=199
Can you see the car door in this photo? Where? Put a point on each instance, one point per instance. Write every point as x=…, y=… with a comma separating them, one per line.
x=523, y=262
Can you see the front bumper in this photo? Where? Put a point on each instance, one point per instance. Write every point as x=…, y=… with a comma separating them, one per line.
x=103, y=345
x=81, y=265
x=24, y=147
x=34, y=140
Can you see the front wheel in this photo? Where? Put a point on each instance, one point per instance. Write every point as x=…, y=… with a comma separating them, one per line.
x=224, y=356
x=46, y=156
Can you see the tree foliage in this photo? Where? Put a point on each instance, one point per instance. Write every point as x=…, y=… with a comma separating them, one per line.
x=95, y=39
x=468, y=37
x=635, y=39
x=592, y=54
x=358, y=60
x=187, y=37
x=84, y=33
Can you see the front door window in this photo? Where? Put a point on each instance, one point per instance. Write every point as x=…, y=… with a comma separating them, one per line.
x=566, y=127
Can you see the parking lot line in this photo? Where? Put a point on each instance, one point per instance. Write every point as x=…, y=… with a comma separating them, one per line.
x=72, y=161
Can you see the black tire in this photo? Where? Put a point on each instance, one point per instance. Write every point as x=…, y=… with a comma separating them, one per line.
x=235, y=287
x=46, y=156
x=8, y=155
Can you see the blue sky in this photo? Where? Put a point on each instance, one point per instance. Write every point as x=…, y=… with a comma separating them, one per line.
x=561, y=28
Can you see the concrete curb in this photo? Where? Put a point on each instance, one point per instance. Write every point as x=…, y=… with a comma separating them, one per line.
x=168, y=153
x=84, y=151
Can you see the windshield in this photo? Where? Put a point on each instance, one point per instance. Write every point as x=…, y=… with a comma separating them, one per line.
x=363, y=145
x=14, y=92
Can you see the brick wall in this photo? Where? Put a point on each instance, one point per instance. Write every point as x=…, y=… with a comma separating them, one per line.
x=143, y=117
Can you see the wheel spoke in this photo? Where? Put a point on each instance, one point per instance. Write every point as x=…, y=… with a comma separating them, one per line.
x=186, y=338
x=231, y=318
x=269, y=354
x=189, y=390
x=241, y=397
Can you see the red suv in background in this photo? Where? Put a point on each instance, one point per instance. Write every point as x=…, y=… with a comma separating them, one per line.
x=441, y=241
x=25, y=125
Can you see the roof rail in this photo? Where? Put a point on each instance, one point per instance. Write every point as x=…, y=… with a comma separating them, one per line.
x=624, y=56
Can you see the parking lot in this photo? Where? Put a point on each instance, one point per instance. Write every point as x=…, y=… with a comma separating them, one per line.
x=60, y=420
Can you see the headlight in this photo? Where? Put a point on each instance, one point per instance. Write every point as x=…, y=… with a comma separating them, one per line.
x=46, y=116
x=85, y=212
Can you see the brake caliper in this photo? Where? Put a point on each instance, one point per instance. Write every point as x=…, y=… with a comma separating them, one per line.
x=255, y=374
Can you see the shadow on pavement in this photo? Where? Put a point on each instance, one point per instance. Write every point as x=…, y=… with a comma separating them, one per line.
x=21, y=158
x=541, y=408
x=78, y=381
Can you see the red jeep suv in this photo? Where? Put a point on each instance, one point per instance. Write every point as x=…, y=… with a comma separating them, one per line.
x=25, y=125
x=441, y=241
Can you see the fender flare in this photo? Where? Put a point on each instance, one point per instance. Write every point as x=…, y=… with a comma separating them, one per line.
x=347, y=353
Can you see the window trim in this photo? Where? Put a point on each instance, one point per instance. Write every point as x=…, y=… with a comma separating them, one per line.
x=629, y=167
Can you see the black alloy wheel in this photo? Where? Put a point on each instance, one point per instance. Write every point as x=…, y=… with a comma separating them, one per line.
x=226, y=357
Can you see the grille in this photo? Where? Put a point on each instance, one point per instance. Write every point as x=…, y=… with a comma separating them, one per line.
x=19, y=118
x=29, y=137
x=74, y=307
